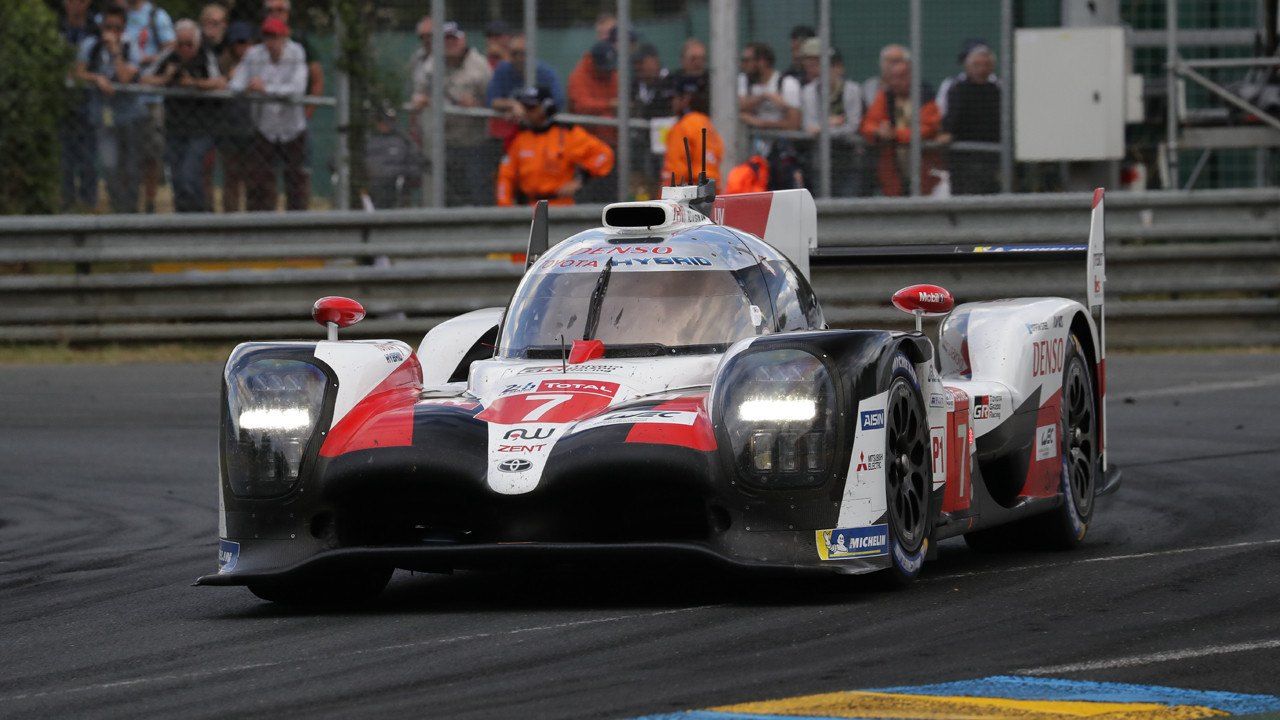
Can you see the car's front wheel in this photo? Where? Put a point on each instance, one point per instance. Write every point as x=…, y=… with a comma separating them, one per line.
x=908, y=477
x=333, y=587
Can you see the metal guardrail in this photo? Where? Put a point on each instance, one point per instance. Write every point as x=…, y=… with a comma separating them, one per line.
x=1186, y=269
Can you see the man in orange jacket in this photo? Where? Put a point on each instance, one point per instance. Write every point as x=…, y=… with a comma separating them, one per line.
x=546, y=160
x=690, y=104
x=887, y=125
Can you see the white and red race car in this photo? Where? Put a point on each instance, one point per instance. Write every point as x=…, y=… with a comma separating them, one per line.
x=659, y=389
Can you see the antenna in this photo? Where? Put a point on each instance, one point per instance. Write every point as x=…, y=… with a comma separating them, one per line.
x=702, y=176
x=673, y=179
x=688, y=160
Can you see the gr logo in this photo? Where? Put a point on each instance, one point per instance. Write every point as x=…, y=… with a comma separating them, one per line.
x=529, y=433
x=871, y=420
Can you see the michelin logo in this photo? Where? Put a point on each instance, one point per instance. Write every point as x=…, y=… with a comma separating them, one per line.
x=228, y=555
x=862, y=542
x=871, y=420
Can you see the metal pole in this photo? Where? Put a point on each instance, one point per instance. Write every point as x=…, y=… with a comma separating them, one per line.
x=624, y=99
x=1171, y=90
x=724, y=78
x=824, y=98
x=531, y=42
x=438, y=68
x=915, y=96
x=1006, y=96
x=342, y=113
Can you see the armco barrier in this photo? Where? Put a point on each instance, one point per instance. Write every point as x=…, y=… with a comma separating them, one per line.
x=1185, y=269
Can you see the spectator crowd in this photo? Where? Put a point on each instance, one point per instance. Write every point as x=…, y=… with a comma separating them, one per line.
x=211, y=104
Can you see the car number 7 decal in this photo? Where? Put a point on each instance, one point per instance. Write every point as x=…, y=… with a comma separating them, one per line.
x=551, y=401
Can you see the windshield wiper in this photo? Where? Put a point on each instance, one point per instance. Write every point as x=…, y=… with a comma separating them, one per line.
x=597, y=300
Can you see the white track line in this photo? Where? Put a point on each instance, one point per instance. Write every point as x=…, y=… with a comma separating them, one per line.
x=1263, y=381
x=197, y=674
x=1153, y=658
x=1107, y=558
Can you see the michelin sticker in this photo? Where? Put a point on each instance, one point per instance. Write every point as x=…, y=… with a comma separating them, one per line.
x=844, y=543
x=228, y=555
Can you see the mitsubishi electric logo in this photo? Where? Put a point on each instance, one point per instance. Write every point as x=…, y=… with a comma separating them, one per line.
x=516, y=465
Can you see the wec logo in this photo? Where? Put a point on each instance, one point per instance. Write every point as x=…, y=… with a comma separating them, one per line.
x=871, y=420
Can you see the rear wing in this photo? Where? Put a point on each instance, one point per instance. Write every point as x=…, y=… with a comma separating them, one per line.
x=1093, y=254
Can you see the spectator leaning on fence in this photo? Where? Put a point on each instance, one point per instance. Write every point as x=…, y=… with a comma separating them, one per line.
x=391, y=161
x=799, y=35
x=651, y=88
x=546, y=160
x=974, y=116
x=281, y=10
x=690, y=103
x=693, y=63
x=944, y=88
x=235, y=139
x=843, y=114
x=190, y=122
x=891, y=56
x=497, y=43
x=150, y=29
x=769, y=101
x=118, y=118
x=278, y=67
x=507, y=80
x=468, y=162
x=593, y=87
x=75, y=131
x=887, y=124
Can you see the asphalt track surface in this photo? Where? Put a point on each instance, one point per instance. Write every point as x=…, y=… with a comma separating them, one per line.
x=107, y=512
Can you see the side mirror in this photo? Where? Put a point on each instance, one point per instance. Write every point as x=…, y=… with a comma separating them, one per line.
x=921, y=300
x=335, y=311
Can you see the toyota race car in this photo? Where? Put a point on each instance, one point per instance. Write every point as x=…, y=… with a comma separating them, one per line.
x=664, y=388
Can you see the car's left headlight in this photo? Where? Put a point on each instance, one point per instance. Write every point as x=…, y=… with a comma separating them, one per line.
x=273, y=407
x=778, y=408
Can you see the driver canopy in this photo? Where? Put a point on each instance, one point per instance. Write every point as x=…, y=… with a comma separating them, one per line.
x=694, y=291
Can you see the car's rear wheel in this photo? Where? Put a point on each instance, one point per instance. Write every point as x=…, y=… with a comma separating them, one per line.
x=908, y=477
x=333, y=587
x=1067, y=526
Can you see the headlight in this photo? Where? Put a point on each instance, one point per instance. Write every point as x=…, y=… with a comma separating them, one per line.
x=273, y=406
x=779, y=411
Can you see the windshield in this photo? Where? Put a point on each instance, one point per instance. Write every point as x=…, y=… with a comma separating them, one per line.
x=676, y=310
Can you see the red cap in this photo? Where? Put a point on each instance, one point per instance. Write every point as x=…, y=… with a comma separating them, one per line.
x=275, y=26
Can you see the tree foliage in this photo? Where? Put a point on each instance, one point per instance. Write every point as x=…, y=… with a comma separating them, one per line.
x=33, y=66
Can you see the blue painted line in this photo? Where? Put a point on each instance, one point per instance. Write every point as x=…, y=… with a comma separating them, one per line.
x=1027, y=688
x=713, y=715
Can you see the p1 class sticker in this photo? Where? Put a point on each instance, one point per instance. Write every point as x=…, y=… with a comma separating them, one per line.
x=228, y=555
x=844, y=543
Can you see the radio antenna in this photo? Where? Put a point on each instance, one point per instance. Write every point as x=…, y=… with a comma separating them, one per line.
x=702, y=176
x=673, y=179
x=688, y=160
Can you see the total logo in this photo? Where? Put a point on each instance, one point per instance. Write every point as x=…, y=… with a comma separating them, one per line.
x=871, y=420
x=514, y=465
x=600, y=388
x=874, y=461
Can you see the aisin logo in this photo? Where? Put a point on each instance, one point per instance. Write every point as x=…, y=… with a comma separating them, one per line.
x=516, y=465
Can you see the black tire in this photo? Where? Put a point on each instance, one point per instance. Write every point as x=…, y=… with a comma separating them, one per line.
x=1066, y=527
x=908, y=476
x=345, y=587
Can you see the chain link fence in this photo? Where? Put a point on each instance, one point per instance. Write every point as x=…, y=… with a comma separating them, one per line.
x=266, y=104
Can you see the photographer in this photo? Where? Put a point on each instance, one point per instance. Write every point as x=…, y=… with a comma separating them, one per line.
x=188, y=136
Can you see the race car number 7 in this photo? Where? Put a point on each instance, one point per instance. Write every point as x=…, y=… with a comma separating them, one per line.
x=550, y=401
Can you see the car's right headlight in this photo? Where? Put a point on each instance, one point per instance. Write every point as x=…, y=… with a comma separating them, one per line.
x=778, y=408
x=273, y=407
